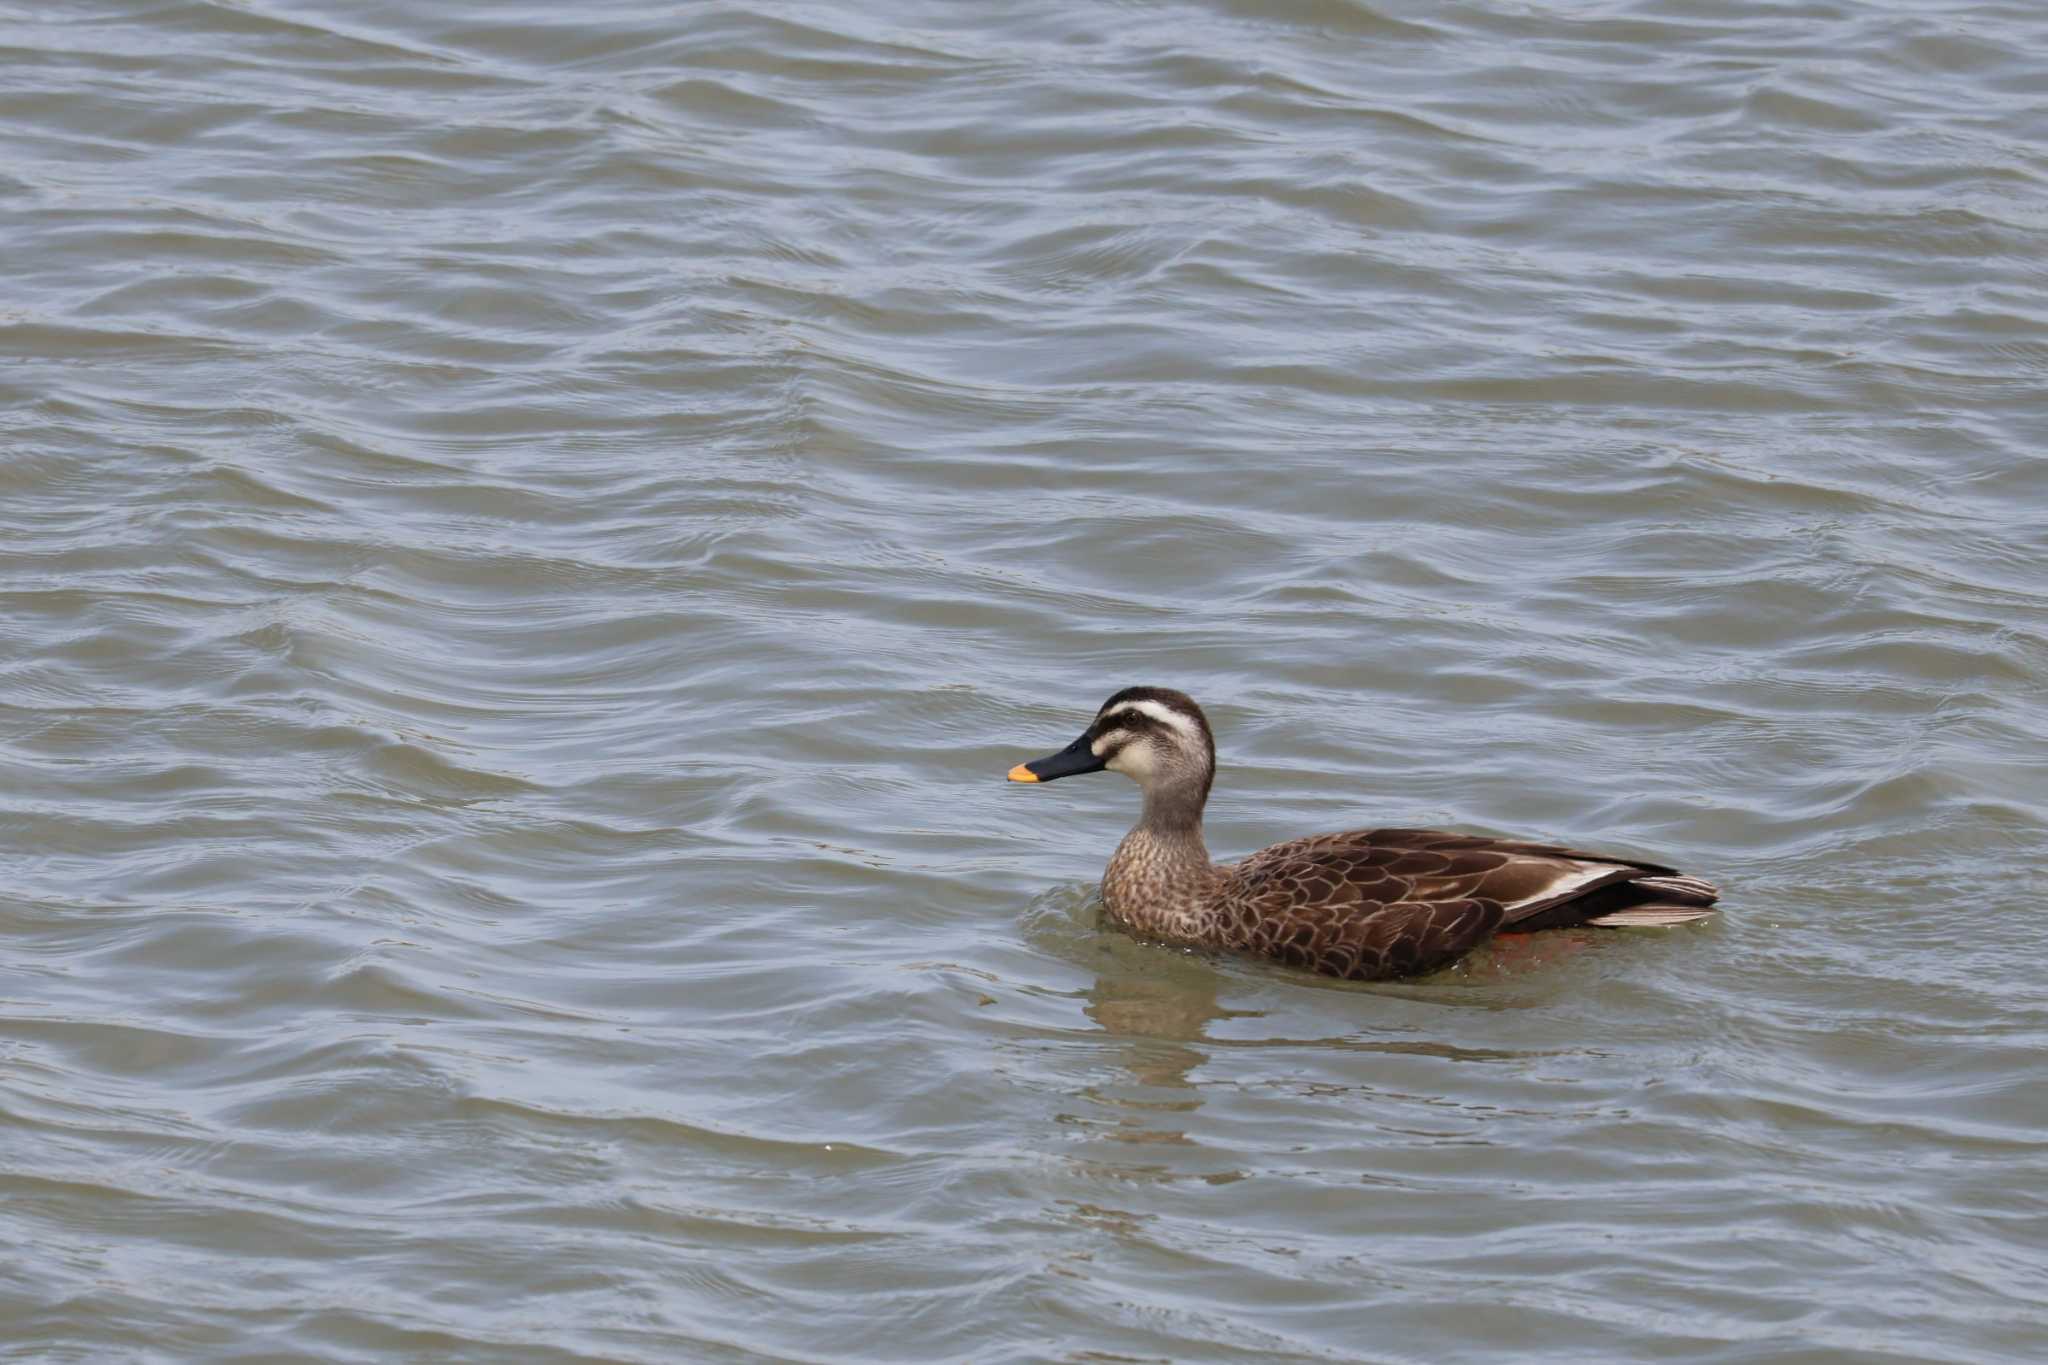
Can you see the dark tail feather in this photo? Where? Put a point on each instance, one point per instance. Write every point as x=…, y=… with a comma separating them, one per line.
x=1681, y=889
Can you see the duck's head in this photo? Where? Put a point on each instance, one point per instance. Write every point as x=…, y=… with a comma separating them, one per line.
x=1155, y=736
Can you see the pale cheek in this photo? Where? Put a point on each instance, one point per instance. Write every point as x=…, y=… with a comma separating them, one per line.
x=1133, y=761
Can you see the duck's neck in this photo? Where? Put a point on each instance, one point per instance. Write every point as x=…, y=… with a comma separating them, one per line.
x=1173, y=817
x=1161, y=878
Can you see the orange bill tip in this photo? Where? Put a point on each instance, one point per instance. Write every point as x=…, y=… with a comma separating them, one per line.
x=1020, y=773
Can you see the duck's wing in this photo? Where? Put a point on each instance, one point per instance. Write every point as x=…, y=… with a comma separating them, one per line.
x=1330, y=911
x=1536, y=886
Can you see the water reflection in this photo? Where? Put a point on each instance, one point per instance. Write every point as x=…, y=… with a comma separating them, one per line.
x=1165, y=1017
x=1160, y=1010
x=1146, y=1100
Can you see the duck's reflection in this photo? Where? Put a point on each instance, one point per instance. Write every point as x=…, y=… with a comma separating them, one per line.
x=1165, y=1019
x=1162, y=1007
x=1162, y=1020
x=1168, y=1045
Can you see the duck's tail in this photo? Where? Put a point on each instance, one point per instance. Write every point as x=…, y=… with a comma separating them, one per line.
x=1647, y=902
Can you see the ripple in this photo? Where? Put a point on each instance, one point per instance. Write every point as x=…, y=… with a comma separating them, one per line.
x=532, y=539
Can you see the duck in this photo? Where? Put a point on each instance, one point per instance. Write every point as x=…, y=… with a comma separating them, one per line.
x=1363, y=904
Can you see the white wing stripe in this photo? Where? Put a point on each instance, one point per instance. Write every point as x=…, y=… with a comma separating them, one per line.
x=1565, y=882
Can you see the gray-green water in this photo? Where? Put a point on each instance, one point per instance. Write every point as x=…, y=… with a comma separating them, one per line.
x=529, y=536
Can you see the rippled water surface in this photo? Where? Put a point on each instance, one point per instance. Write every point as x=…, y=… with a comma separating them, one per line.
x=529, y=536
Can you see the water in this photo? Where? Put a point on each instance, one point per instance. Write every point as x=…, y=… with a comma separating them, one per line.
x=529, y=536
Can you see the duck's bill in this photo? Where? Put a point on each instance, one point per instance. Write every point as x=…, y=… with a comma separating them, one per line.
x=1075, y=758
